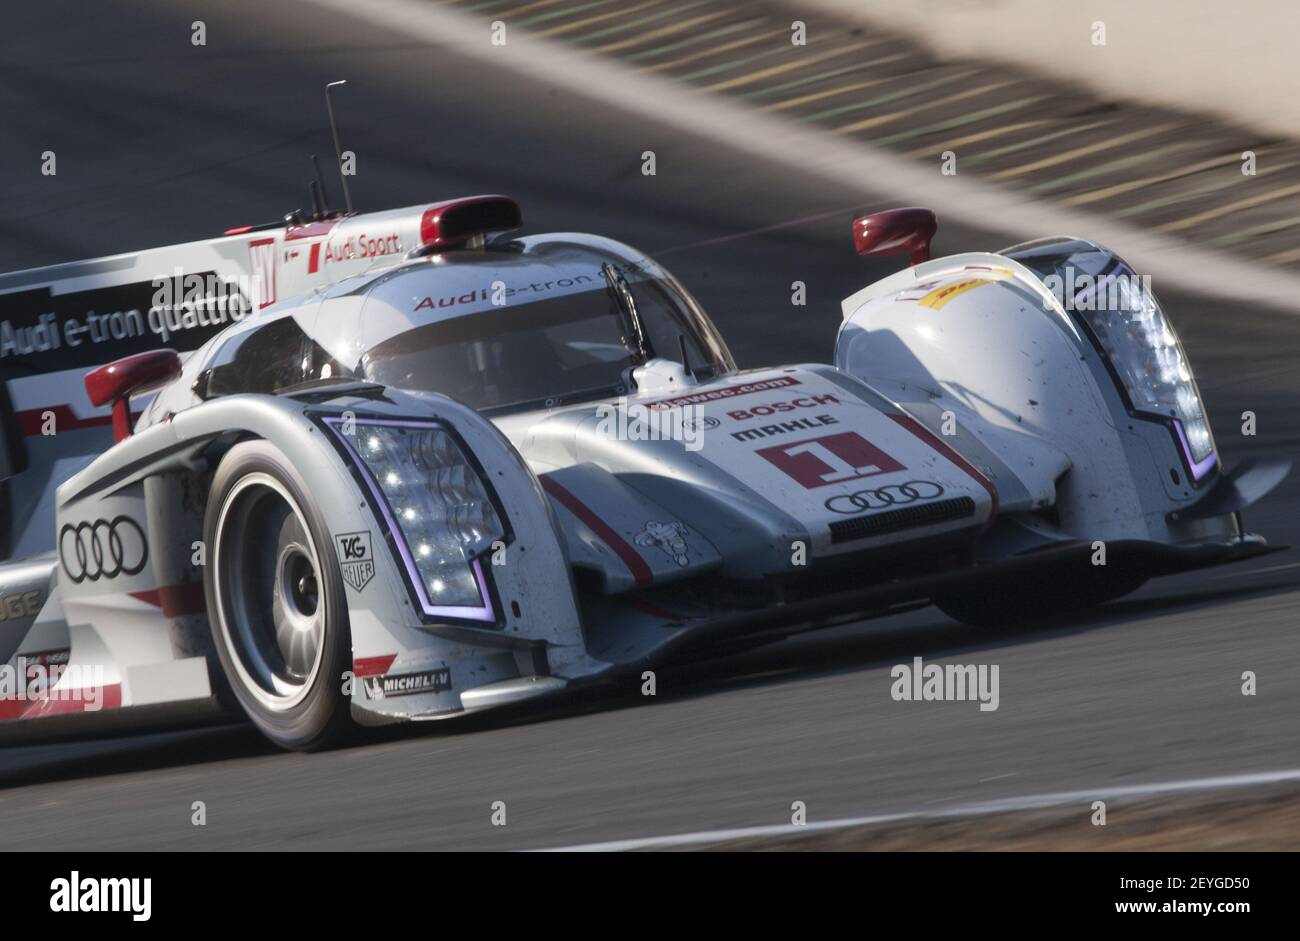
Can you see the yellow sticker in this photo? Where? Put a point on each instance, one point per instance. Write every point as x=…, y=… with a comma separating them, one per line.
x=940, y=296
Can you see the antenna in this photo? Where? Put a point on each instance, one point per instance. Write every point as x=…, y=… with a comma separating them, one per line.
x=319, y=194
x=686, y=358
x=317, y=200
x=338, y=151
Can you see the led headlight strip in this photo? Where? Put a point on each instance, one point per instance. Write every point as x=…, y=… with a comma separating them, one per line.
x=1148, y=359
x=436, y=508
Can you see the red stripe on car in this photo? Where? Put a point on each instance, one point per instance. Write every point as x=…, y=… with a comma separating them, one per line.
x=175, y=600
x=310, y=229
x=373, y=666
x=110, y=697
x=938, y=444
x=641, y=572
x=32, y=420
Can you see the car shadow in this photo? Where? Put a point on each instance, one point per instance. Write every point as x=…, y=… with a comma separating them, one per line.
x=928, y=634
x=22, y=765
x=846, y=648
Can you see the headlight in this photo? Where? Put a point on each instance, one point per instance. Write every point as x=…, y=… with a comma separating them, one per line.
x=1142, y=346
x=436, y=507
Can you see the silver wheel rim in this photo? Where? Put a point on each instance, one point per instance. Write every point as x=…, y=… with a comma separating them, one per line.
x=271, y=599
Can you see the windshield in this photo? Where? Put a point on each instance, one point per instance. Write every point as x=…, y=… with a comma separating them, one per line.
x=549, y=352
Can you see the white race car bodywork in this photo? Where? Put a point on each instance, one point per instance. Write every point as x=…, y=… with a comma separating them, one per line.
x=999, y=353
x=967, y=426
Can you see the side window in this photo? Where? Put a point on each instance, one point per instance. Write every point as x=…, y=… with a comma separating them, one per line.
x=269, y=360
x=669, y=313
x=319, y=364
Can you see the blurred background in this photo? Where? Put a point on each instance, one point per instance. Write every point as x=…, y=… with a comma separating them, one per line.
x=1194, y=55
x=1142, y=134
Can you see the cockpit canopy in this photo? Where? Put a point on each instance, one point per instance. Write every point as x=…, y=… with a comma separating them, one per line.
x=525, y=323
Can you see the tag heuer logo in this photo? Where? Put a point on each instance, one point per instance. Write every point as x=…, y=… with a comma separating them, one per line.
x=357, y=563
x=408, y=684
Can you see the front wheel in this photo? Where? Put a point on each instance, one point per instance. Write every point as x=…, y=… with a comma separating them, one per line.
x=275, y=600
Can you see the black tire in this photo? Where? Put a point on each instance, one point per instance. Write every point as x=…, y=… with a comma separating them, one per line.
x=1000, y=604
x=276, y=601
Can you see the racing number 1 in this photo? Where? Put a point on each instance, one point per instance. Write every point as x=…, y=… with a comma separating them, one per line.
x=819, y=462
x=841, y=469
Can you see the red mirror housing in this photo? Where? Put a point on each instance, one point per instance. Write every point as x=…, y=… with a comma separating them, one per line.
x=452, y=223
x=895, y=232
x=123, y=378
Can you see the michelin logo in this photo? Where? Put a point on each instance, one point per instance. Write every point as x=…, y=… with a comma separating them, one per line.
x=408, y=684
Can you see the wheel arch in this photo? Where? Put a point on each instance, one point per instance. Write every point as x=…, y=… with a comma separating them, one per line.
x=981, y=335
x=539, y=630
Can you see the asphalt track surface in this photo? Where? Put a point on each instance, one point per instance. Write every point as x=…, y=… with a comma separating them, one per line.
x=158, y=142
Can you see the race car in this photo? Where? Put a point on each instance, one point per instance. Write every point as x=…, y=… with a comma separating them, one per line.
x=413, y=465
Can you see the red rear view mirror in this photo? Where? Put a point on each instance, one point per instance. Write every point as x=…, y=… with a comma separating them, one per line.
x=123, y=378
x=449, y=224
x=896, y=232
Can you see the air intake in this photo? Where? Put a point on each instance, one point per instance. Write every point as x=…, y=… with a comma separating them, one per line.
x=910, y=517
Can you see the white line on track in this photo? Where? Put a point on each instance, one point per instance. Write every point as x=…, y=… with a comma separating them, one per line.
x=1002, y=805
x=859, y=168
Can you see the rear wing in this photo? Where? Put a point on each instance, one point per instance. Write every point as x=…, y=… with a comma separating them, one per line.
x=58, y=322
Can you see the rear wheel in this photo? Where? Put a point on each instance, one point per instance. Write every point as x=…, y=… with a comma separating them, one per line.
x=275, y=600
x=1003, y=604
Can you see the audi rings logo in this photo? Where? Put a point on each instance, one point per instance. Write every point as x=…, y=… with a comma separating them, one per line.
x=102, y=549
x=880, y=498
x=705, y=421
